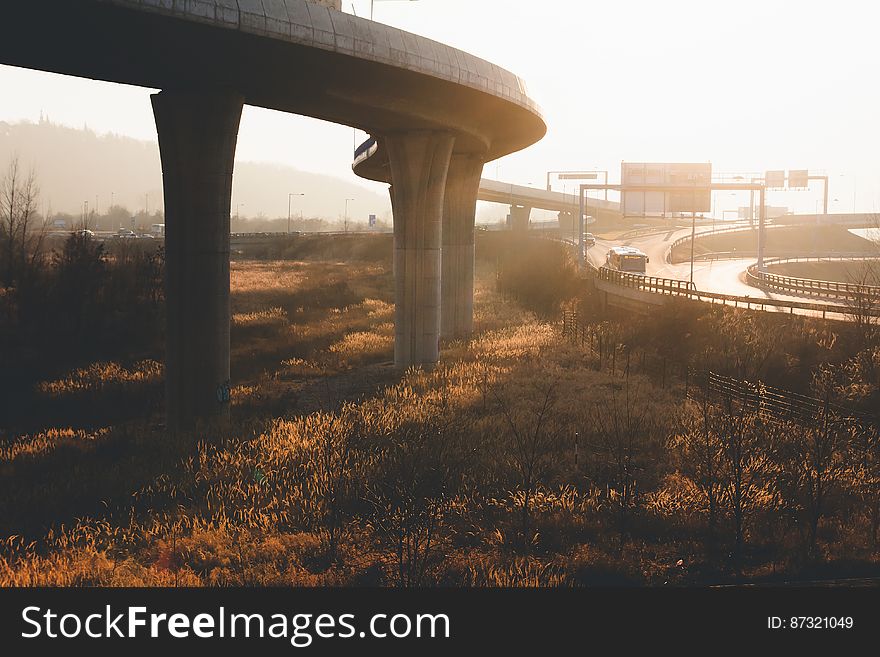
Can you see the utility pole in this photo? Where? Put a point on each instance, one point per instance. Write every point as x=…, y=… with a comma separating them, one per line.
x=854, y=193
x=289, y=196
x=693, y=228
x=751, y=208
x=346, y=213
x=761, y=215
x=693, y=239
x=372, y=2
x=580, y=225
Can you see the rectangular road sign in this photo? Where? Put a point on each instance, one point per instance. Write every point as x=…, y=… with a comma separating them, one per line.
x=774, y=179
x=798, y=178
x=642, y=200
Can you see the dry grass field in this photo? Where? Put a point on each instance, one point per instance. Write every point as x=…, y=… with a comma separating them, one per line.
x=520, y=460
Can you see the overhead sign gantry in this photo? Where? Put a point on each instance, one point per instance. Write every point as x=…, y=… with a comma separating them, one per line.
x=671, y=187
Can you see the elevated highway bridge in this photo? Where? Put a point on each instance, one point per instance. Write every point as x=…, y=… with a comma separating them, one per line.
x=371, y=162
x=439, y=112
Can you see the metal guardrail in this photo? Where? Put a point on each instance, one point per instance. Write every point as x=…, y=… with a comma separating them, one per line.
x=770, y=403
x=722, y=255
x=708, y=233
x=861, y=295
x=740, y=255
x=767, y=402
x=675, y=287
x=283, y=234
x=359, y=231
x=364, y=147
x=648, y=230
x=653, y=284
x=716, y=231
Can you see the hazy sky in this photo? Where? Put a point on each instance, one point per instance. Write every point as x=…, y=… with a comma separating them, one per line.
x=748, y=85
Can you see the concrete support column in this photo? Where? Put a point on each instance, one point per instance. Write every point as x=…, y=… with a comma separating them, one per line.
x=419, y=164
x=197, y=138
x=459, y=212
x=393, y=234
x=519, y=217
x=567, y=225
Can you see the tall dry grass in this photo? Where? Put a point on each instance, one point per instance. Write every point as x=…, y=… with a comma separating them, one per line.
x=514, y=462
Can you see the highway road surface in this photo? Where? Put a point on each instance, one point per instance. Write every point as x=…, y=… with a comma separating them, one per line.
x=722, y=276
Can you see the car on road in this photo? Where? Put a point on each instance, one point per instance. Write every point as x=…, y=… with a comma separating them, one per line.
x=125, y=233
x=589, y=239
x=84, y=232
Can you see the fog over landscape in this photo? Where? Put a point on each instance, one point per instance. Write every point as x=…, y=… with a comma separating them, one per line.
x=616, y=328
x=695, y=82
x=74, y=165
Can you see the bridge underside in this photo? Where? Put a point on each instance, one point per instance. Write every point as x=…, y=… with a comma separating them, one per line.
x=441, y=113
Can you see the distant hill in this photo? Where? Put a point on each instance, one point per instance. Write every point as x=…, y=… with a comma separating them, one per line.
x=76, y=165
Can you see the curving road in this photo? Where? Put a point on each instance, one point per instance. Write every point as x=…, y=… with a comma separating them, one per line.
x=722, y=276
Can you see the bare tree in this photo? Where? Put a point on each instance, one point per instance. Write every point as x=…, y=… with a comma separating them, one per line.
x=811, y=462
x=620, y=444
x=864, y=305
x=529, y=439
x=21, y=239
x=334, y=462
x=746, y=468
x=742, y=346
x=864, y=472
x=417, y=467
x=701, y=459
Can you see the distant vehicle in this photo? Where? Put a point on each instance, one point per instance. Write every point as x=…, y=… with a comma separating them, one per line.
x=589, y=239
x=84, y=232
x=125, y=233
x=627, y=259
x=157, y=230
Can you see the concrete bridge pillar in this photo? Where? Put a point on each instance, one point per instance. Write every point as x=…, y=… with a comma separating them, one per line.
x=519, y=217
x=393, y=235
x=567, y=224
x=459, y=212
x=197, y=138
x=419, y=164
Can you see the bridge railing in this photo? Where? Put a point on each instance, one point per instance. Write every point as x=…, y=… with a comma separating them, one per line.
x=718, y=231
x=732, y=255
x=715, y=231
x=247, y=235
x=653, y=284
x=363, y=148
x=674, y=287
x=751, y=253
x=861, y=294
